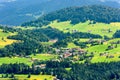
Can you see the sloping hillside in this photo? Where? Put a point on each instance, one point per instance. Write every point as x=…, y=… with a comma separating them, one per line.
x=20, y=11
x=93, y=13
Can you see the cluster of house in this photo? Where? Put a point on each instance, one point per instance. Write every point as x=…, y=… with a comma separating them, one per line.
x=66, y=52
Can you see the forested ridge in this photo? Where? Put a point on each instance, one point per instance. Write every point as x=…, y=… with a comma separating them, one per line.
x=94, y=13
x=32, y=10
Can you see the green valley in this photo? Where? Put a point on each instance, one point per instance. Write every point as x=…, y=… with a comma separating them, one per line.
x=82, y=44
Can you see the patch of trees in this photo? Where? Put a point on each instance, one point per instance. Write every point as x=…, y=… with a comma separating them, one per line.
x=81, y=44
x=117, y=34
x=60, y=43
x=53, y=33
x=42, y=35
x=84, y=44
x=45, y=34
x=23, y=48
x=87, y=71
x=57, y=64
x=21, y=68
x=85, y=35
x=7, y=29
x=93, y=13
x=18, y=68
x=77, y=35
x=97, y=71
x=15, y=68
x=29, y=34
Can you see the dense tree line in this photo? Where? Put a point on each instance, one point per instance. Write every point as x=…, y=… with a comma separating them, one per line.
x=87, y=71
x=42, y=35
x=29, y=34
x=23, y=48
x=45, y=34
x=17, y=68
x=98, y=71
x=117, y=34
x=7, y=29
x=94, y=13
x=85, y=35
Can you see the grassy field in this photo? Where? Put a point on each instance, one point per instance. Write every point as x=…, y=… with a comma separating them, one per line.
x=3, y=39
x=97, y=48
x=28, y=61
x=25, y=28
x=72, y=45
x=102, y=49
x=97, y=58
x=7, y=60
x=44, y=56
x=98, y=28
x=33, y=77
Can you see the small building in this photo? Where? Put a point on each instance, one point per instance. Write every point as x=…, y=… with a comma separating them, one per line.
x=41, y=66
x=53, y=40
x=66, y=55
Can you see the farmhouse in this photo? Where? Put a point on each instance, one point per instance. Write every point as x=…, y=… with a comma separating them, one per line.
x=53, y=40
x=42, y=66
x=67, y=55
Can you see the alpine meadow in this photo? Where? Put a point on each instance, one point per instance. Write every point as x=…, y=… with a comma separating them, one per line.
x=59, y=40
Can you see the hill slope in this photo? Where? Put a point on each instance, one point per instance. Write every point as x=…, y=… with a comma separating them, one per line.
x=79, y=14
x=20, y=11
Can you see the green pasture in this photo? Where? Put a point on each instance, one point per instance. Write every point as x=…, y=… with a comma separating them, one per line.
x=24, y=77
x=28, y=61
x=98, y=28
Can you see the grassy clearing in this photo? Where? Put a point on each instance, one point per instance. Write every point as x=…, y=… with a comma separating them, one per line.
x=72, y=45
x=101, y=49
x=2, y=34
x=3, y=39
x=1, y=46
x=47, y=43
x=25, y=28
x=7, y=60
x=97, y=59
x=98, y=28
x=97, y=48
x=33, y=77
x=28, y=61
x=115, y=50
x=44, y=56
x=6, y=42
x=113, y=40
